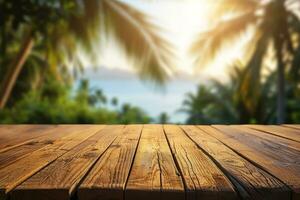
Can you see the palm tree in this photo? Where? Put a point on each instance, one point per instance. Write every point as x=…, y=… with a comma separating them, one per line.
x=58, y=29
x=275, y=24
x=129, y=114
x=163, y=118
x=225, y=103
x=114, y=101
x=198, y=106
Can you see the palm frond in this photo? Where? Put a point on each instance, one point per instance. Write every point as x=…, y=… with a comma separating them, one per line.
x=84, y=24
x=130, y=27
x=140, y=39
x=208, y=44
x=229, y=6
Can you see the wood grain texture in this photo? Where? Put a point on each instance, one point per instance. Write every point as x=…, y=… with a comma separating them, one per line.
x=114, y=162
x=203, y=179
x=14, y=135
x=107, y=179
x=269, y=137
x=294, y=126
x=17, y=172
x=281, y=131
x=251, y=181
x=154, y=174
x=60, y=179
x=17, y=152
x=280, y=159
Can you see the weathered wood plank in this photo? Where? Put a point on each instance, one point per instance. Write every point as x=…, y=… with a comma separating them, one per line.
x=251, y=181
x=13, y=135
x=154, y=174
x=281, y=131
x=40, y=162
x=59, y=179
x=294, y=126
x=281, y=160
x=108, y=177
x=269, y=137
x=19, y=151
x=17, y=172
x=203, y=179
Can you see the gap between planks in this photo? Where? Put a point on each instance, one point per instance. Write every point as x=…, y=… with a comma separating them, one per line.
x=204, y=179
x=279, y=131
x=252, y=181
x=108, y=177
x=276, y=155
x=154, y=173
x=19, y=171
x=176, y=159
x=61, y=178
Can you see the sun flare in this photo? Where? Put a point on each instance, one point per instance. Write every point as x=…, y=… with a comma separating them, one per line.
x=181, y=22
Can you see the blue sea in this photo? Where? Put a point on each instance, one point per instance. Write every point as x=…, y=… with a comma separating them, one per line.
x=153, y=100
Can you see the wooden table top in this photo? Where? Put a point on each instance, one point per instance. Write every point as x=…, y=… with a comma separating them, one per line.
x=116, y=162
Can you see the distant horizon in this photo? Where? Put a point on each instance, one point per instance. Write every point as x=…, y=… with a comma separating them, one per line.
x=128, y=88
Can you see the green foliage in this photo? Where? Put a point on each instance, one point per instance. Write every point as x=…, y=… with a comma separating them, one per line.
x=62, y=28
x=59, y=30
x=129, y=114
x=56, y=103
x=231, y=103
x=274, y=24
x=163, y=118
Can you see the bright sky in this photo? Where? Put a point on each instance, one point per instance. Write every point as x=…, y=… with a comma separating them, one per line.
x=182, y=20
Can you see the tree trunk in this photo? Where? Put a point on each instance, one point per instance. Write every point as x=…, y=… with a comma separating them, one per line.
x=281, y=104
x=15, y=68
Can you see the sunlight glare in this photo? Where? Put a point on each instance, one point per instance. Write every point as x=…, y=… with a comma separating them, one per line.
x=181, y=23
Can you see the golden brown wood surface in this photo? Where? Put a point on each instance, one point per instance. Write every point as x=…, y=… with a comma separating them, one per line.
x=203, y=179
x=18, y=151
x=65, y=173
x=285, y=132
x=12, y=136
x=277, y=155
x=117, y=162
x=154, y=174
x=294, y=126
x=108, y=177
x=250, y=180
x=17, y=172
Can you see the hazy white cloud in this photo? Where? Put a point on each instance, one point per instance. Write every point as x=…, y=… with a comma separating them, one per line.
x=109, y=73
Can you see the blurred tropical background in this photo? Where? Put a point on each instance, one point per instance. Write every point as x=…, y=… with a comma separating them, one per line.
x=150, y=61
